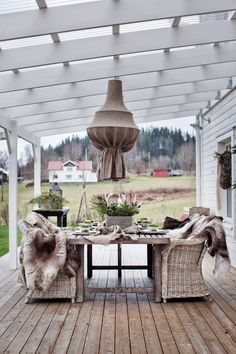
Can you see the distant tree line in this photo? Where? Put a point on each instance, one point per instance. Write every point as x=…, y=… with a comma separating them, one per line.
x=155, y=148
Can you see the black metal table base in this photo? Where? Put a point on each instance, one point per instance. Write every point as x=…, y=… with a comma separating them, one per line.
x=119, y=266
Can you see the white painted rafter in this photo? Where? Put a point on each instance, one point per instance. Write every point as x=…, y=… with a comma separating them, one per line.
x=85, y=15
x=139, y=120
x=203, y=55
x=133, y=100
x=180, y=81
x=74, y=118
x=117, y=44
x=6, y=123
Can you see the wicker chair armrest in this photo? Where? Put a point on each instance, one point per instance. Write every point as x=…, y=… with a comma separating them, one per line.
x=181, y=242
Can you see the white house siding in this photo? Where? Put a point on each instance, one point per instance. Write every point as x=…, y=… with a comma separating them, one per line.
x=221, y=127
x=72, y=176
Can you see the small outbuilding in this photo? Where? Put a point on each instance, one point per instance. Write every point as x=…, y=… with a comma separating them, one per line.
x=161, y=172
x=3, y=175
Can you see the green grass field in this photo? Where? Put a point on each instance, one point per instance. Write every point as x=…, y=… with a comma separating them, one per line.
x=4, y=247
x=154, y=210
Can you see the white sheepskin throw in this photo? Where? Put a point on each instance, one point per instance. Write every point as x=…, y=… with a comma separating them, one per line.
x=211, y=228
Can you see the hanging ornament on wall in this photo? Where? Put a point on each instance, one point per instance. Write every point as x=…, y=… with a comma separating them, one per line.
x=113, y=131
x=224, y=169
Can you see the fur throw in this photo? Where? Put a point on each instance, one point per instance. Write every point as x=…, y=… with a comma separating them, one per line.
x=44, y=253
x=38, y=220
x=211, y=228
x=172, y=223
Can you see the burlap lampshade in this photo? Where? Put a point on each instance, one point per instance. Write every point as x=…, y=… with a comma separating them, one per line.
x=113, y=131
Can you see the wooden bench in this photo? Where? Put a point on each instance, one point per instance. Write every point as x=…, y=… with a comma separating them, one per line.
x=157, y=241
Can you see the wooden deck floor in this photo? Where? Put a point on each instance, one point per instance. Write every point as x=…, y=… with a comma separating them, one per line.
x=119, y=323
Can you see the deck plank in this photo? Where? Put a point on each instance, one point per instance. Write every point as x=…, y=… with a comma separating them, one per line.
x=122, y=341
x=19, y=341
x=120, y=323
x=14, y=327
x=12, y=301
x=50, y=337
x=63, y=340
x=81, y=327
x=181, y=339
x=40, y=329
x=93, y=335
x=151, y=338
x=207, y=333
x=107, y=342
x=217, y=327
x=137, y=342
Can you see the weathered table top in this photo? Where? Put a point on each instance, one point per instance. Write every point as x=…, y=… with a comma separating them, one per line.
x=142, y=239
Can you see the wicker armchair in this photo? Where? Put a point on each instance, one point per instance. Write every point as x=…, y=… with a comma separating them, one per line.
x=62, y=287
x=182, y=270
x=199, y=210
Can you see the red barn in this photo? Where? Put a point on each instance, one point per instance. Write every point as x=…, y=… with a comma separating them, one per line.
x=161, y=172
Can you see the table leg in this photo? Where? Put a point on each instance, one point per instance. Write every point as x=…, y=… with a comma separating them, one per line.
x=149, y=260
x=157, y=273
x=80, y=276
x=59, y=221
x=89, y=261
x=119, y=260
x=64, y=220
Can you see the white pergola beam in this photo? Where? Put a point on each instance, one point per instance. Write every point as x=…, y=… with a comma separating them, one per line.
x=166, y=83
x=41, y=4
x=37, y=168
x=33, y=122
x=144, y=119
x=73, y=118
x=7, y=123
x=204, y=55
x=13, y=217
x=138, y=99
x=85, y=15
x=233, y=15
x=8, y=141
x=125, y=43
x=176, y=21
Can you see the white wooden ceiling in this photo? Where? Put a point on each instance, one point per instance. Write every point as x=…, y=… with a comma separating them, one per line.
x=175, y=58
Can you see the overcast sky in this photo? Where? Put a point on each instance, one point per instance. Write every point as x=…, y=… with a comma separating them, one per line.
x=180, y=123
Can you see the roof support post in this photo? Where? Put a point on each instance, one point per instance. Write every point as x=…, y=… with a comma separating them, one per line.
x=13, y=261
x=8, y=140
x=37, y=168
x=197, y=127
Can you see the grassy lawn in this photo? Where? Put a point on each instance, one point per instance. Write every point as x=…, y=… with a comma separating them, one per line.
x=155, y=209
x=4, y=239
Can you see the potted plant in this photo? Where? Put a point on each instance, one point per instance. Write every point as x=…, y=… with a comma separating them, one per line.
x=118, y=208
x=48, y=200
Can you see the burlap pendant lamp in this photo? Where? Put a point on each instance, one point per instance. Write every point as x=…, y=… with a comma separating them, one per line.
x=114, y=132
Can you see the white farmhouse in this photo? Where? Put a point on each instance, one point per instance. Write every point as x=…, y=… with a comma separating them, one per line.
x=71, y=171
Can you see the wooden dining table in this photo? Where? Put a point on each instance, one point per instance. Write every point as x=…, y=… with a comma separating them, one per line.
x=157, y=242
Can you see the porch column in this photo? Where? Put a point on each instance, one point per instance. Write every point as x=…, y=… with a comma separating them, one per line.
x=197, y=127
x=37, y=168
x=13, y=261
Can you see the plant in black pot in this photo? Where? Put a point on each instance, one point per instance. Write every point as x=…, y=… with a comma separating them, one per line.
x=117, y=208
x=49, y=200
